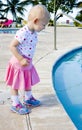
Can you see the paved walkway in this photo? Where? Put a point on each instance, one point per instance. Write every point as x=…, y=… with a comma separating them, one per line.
x=50, y=115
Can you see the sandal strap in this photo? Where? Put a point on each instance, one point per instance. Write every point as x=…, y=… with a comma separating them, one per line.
x=19, y=106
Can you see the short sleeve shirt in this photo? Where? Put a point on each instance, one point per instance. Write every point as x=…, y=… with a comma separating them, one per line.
x=27, y=42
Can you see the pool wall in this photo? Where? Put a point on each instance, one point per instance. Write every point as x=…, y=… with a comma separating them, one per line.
x=70, y=98
x=8, y=30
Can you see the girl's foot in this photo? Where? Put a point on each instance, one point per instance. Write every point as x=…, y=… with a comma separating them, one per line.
x=20, y=109
x=32, y=102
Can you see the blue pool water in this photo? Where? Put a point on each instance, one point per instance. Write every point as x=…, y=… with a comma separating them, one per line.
x=67, y=83
x=8, y=30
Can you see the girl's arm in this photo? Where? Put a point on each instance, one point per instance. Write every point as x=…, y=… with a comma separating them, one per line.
x=20, y=58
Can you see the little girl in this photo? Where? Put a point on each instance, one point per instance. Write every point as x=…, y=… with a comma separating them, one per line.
x=21, y=74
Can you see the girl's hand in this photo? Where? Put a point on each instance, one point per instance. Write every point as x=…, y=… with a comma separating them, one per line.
x=13, y=47
x=24, y=62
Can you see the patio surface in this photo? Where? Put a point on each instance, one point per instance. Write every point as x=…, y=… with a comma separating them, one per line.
x=50, y=115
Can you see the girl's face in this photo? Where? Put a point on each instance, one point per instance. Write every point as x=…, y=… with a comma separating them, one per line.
x=39, y=25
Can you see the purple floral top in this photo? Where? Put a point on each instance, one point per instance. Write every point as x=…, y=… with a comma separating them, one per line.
x=27, y=42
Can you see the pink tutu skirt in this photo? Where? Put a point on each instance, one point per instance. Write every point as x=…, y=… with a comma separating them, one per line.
x=19, y=77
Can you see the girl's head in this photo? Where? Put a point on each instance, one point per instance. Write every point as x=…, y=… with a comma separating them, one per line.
x=38, y=17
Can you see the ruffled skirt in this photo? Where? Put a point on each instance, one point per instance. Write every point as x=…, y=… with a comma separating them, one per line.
x=19, y=77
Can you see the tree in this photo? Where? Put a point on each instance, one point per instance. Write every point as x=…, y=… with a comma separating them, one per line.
x=15, y=7
x=64, y=5
x=79, y=5
x=79, y=15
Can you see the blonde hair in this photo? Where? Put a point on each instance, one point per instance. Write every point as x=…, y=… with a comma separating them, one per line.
x=39, y=11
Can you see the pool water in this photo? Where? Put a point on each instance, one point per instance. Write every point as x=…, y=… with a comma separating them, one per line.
x=67, y=83
x=8, y=30
x=71, y=66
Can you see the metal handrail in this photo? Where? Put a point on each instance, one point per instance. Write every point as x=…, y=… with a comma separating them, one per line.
x=62, y=13
x=55, y=19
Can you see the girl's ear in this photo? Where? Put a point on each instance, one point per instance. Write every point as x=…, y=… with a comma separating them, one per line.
x=36, y=21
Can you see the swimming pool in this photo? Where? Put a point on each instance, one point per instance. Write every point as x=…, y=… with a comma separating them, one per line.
x=8, y=30
x=67, y=83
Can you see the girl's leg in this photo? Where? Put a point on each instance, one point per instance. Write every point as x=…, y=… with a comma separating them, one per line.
x=30, y=100
x=14, y=97
x=28, y=94
x=14, y=92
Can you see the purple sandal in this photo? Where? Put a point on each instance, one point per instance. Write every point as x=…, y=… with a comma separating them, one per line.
x=20, y=109
x=32, y=102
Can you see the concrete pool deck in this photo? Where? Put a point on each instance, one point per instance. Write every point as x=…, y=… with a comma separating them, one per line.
x=50, y=115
